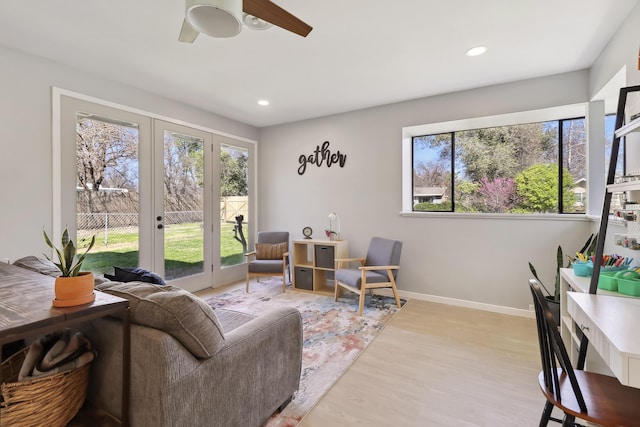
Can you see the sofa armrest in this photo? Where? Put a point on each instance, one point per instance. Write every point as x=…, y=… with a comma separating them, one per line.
x=258, y=368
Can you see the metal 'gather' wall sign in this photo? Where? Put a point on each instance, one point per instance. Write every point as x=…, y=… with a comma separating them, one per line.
x=321, y=155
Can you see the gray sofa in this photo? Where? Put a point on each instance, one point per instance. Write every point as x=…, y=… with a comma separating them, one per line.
x=240, y=378
x=191, y=365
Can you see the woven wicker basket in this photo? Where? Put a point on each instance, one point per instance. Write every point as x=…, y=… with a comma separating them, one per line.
x=49, y=401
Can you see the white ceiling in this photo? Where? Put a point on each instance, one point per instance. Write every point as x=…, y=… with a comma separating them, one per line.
x=361, y=53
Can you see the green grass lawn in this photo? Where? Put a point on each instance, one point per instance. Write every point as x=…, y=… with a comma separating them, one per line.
x=183, y=249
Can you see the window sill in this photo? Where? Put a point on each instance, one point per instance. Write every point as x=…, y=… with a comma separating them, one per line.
x=466, y=215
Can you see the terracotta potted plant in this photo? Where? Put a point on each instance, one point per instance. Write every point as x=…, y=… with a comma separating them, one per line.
x=72, y=287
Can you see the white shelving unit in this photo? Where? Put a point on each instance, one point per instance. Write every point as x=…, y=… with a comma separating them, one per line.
x=633, y=126
x=622, y=130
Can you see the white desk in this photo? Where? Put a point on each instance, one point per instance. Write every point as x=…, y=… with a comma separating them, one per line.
x=612, y=325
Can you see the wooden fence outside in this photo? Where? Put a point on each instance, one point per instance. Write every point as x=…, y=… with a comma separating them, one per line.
x=232, y=206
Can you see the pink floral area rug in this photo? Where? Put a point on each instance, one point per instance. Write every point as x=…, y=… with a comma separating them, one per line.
x=333, y=335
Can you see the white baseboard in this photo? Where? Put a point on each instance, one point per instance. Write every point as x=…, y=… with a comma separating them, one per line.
x=461, y=303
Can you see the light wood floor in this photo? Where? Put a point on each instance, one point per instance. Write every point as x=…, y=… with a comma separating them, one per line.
x=436, y=365
x=439, y=365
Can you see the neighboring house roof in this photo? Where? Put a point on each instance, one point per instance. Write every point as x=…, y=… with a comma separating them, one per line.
x=429, y=191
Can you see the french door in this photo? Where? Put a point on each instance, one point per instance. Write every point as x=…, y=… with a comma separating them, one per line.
x=182, y=227
x=150, y=191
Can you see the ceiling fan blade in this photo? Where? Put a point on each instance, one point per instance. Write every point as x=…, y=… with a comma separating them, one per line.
x=187, y=34
x=271, y=12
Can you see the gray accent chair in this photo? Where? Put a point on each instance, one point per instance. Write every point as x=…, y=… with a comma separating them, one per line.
x=378, y=270
x=260, y=267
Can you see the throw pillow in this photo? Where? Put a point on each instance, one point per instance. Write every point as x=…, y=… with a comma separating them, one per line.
x=131, y=274
x=270, y=250
x=173, y=310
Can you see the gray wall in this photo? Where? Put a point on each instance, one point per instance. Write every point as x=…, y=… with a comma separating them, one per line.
x=25, y=139
x=470, y=258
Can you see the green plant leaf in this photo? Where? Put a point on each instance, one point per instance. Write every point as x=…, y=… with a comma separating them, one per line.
x=68, y=264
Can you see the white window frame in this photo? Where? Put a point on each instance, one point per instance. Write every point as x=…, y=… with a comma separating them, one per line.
x=533, y=116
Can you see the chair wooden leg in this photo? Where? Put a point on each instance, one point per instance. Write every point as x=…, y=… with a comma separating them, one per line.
x=284, y=284
x=336, y=292
x=395, y=294
x=247, y=288
x=569, y=421
x=363, y=293
x=546, y=414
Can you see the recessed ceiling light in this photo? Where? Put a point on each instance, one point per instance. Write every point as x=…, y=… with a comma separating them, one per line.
x=263, y=102
x=475, y=51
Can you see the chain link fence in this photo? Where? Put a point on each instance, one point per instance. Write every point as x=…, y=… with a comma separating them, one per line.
x=119, y=227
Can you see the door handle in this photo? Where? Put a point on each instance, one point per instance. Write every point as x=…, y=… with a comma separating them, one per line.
x=160, y=226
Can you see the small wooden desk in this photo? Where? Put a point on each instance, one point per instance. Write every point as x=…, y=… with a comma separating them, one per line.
x=26, y=311
x=611, y=324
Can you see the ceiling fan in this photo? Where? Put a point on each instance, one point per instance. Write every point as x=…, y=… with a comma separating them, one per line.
x=224, y=18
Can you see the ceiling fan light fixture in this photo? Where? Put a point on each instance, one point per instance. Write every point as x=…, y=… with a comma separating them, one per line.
x=215, y=18
x=255, y=23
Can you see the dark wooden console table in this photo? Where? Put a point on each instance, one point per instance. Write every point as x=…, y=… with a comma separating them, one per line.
x=26, y=311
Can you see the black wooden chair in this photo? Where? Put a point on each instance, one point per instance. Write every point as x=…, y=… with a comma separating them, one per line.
x=589, y=396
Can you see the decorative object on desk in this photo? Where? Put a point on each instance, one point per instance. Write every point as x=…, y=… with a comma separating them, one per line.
x=331, y=233
x=610, y=264
x=306, y=232
x=608, y=280
x=72, y=287
x=52, y=399
x=582, y=269
x=629, y=286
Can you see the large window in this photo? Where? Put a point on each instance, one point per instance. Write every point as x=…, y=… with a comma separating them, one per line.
x=504, y=169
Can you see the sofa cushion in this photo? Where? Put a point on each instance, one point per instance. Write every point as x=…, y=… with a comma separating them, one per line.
x=270, y=250
x=173, y=310
x=134, y=274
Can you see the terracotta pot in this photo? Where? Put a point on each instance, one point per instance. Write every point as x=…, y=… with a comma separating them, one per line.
x=75, y=290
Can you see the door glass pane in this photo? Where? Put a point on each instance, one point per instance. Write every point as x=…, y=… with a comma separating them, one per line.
x=183, y=204
x=107, y=191
x=234, y=202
